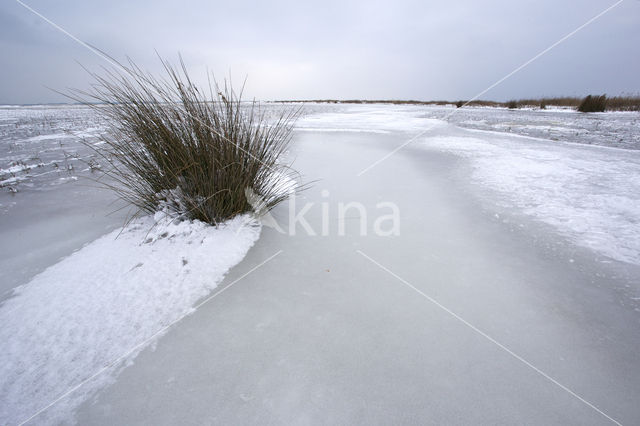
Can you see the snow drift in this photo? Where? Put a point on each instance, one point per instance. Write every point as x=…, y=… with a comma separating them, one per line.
x=91, y=308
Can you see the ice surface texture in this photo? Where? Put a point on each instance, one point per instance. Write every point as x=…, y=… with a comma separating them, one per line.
x=590, y=194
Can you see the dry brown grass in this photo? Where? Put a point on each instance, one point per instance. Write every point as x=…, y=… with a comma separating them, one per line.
x=617, y=103
x=172, y=144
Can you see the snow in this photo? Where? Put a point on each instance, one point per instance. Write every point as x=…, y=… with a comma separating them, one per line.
x=612, y=129
x=590, y=194
x=97, y=304
x=321, y=335
x=69, y=321
x=40, y=141
x=370, y=118
x=47, y=137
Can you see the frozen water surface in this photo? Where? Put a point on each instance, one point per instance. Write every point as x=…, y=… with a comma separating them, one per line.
x=49, y=204
x=533, y=242
x=613, y=129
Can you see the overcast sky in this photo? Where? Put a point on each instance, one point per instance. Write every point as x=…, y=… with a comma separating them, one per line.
x=367, y=49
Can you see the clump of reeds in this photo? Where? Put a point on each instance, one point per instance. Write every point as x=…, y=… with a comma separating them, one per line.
x=624, y=103
x=172, y=144
x=593, y=104
x=617, y=103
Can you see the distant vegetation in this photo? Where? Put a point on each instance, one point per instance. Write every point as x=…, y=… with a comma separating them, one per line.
x=616, y=103
x=593, y=104
x=623, y=103
x=173, y=145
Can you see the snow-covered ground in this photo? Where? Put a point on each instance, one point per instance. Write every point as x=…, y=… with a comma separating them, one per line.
x=106, y=301
x=612, y=129
x=322, y=335
x=365, y=119
x=591, y=194
x=42, y=147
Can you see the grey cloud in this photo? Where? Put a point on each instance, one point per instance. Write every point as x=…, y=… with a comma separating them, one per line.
x=337, y=49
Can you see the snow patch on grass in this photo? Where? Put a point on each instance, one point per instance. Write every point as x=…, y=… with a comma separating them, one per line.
x=92, y=307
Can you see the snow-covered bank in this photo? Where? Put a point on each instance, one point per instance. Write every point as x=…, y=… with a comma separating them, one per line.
x=590, y=194
x=92, y=307
x=613, y=129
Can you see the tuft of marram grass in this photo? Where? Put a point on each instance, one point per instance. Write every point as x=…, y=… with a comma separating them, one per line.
x=171, y=144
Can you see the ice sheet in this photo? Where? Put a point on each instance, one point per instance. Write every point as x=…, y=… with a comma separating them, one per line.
x=66, y=324
x=590, y=194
